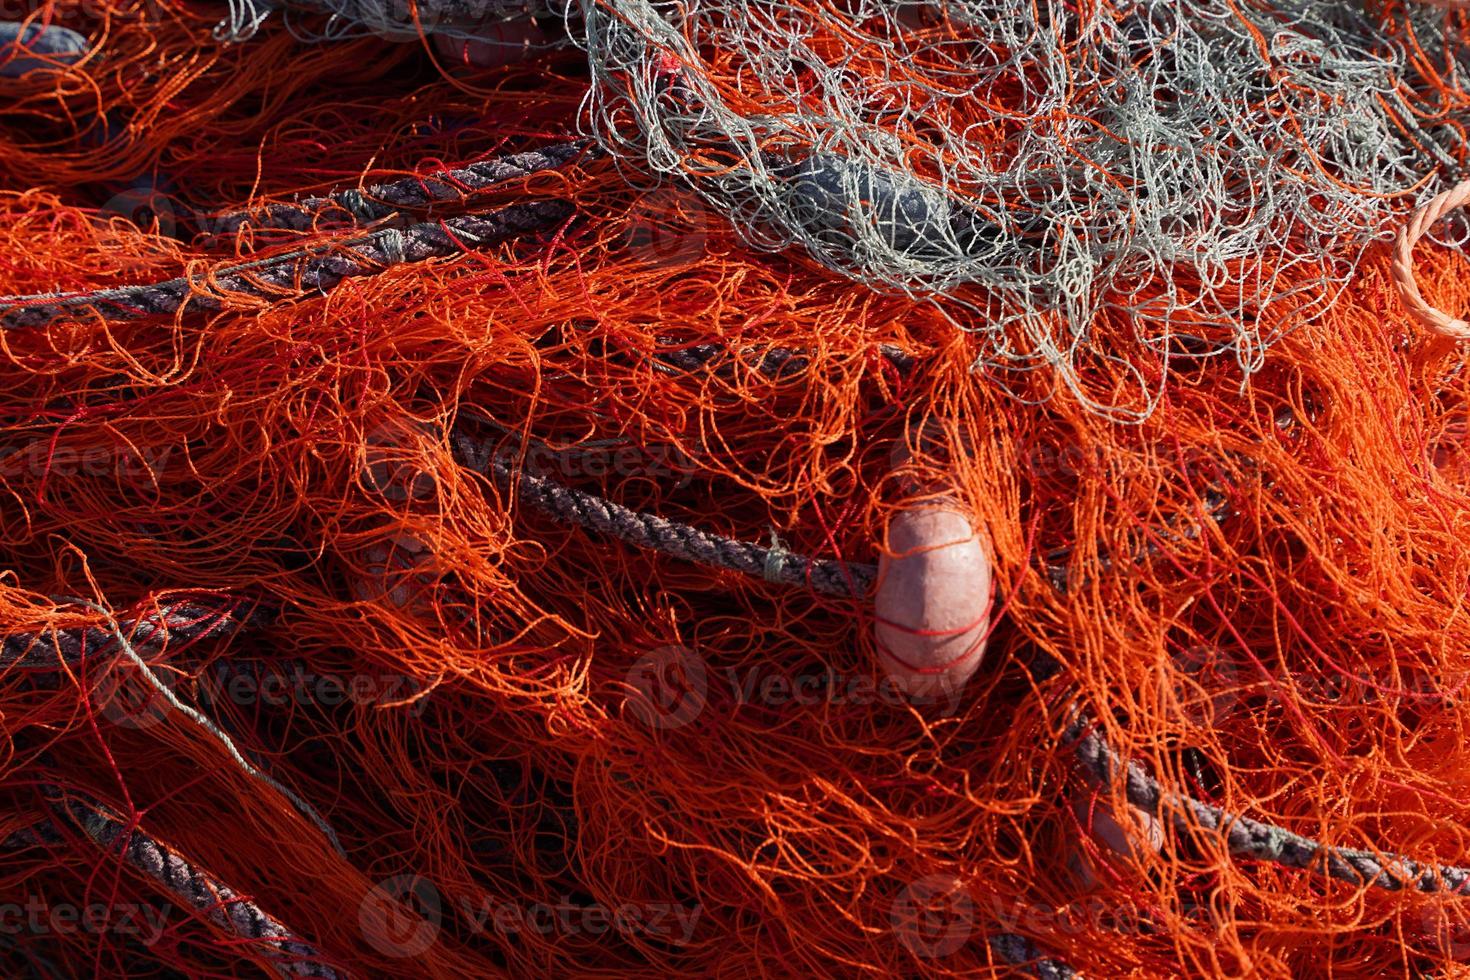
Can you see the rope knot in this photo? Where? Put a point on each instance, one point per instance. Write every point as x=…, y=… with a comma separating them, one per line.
x=394, y=246
x=357, y=205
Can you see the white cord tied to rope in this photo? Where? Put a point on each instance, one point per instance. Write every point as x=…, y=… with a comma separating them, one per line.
x=775, y=558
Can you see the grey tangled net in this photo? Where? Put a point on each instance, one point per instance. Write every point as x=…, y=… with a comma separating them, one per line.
x=1210, y=172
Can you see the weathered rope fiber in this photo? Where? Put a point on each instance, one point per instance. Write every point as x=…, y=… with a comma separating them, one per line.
x=774, y=564
x=288, y=954
x=128, y=653
x=1244, y=836
x=773, y=362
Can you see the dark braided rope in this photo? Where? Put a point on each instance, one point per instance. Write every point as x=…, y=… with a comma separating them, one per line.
x=206, y=895
x=221, y=904
x=1245, y=836
x=384, y=200
x=773, y=362
x=465, y=17
x=691, y=544
x=1254, y=839
x=179, y=622
x=669, y=537
x=317, y=269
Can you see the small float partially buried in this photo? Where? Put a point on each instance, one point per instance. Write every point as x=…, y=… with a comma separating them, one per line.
x=29, y=47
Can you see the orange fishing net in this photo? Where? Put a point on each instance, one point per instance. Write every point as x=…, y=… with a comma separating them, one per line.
x=329, y=652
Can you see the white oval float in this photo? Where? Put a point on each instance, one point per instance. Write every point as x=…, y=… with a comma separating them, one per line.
x=933, y=600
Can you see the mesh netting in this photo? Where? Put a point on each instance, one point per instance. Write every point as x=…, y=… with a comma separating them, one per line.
x=258, y=483
x=1210, y=171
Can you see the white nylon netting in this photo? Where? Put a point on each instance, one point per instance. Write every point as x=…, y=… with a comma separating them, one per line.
x=1211, y=170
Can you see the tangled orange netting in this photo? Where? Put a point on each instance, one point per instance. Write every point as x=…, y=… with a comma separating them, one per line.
x=402, y=717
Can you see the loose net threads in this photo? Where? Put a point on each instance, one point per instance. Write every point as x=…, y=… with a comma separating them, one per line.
x=1066, y=163
x=490, y=22
x=1253, y=595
